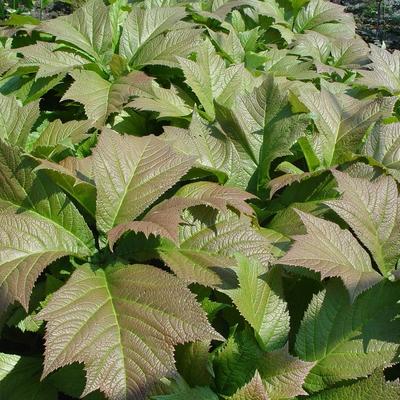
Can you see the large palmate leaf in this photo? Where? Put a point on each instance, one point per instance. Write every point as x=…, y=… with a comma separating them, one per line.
x=346, y=340
x=122, y=323
x=372, y=388
x=101, y=97
x=332, y=251
x=385, y=72
x=259, y=299
x=210, y=79
x=262, y=127
x=383, y=146
x=342, y=121
x=16, y=121
x=88, y=29
x=326, y=18
x=131, y=173
x=20, y=379
x=39, y=225
x=372, y=209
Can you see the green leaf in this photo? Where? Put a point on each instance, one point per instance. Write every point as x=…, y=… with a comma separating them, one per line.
x=197, y=393
x=39, y=225
x=348, y=341
x=123, y=320
x=20, y=379
x=16, y=121
x=259, y=299
x=383, y=146
x=342, y=121
x=131, y=174
x=372, y=209
x=332, y=251
x=385, y=72
x=371, y=388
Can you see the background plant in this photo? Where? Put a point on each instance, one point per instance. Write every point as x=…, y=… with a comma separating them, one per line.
x=198, y=201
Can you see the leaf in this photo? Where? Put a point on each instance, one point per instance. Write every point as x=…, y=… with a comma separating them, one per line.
x=213, y=149
x=262, y=127
x=49, y=59
x=164, y=218
x=254, y=390
x=126, y=320
x=20, y=379
x=88, y=29
x=342, y=121
x=259, y=299
x=385, y=73
x=332, y=251
x=348, y=341
x=143, y=25
x=131, y=173
x=164, y=49
x=58, y=136
x=17, y=121
x=326, y=18
x=39, y=225
x=282, y=374
x=383, y=146
x=371, y=388
x=209, y=79
x=372, y=209
x=102, y=98
x=74, y=175
x=193, y=363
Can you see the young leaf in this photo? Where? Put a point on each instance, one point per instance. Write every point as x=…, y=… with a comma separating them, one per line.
x=332, y=251
x=88, y=29
x=383, y=146
x=58, y=136
x=259, y=300
x=372, y=209
x=210, y=79
x=143, y=25
x=385, y=72
x=100, y=97
x=16, y=121
x=122, y=323
x=49, y=59
x=131, y=173
x=342, y=121
x=254, y=390
x=39, y=225
x=348, y=341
